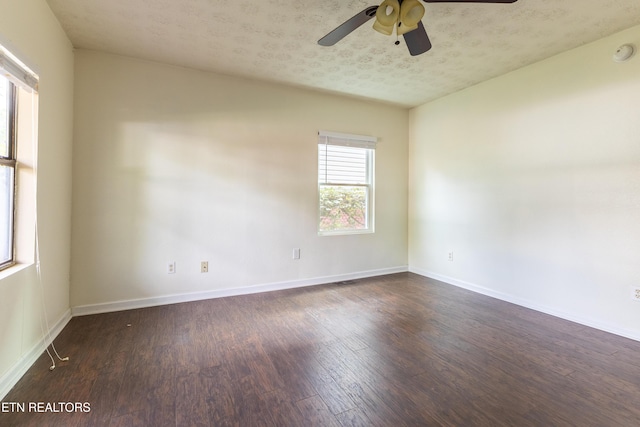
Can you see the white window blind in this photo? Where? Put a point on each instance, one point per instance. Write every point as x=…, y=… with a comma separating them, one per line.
x=343, y=158
x=346, y=139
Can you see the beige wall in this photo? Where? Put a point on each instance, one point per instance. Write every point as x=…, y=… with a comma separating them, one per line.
x=533, y=181
x=172, y=164
x=30, y=31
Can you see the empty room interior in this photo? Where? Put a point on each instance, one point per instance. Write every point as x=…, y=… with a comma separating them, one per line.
x=320, y=213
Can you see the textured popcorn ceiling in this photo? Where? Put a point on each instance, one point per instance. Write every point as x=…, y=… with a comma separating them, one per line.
x=276, y=40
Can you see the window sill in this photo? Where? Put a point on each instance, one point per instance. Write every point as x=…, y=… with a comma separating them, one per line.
x=14, y=269
x=344, y=233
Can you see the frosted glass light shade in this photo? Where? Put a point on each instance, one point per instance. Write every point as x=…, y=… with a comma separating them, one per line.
x=388, y=12
x=411, y=12
x=387, y=30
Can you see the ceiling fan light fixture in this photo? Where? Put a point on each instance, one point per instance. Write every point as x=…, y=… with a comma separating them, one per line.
x=388, y=12
x=411, y=12
x=387, y=30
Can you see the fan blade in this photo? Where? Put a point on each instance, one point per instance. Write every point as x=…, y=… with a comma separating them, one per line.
x=469, y=1
x=417, y=40
x=347, y=27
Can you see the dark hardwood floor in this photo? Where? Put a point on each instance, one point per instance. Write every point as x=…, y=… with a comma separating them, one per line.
x=398, y=350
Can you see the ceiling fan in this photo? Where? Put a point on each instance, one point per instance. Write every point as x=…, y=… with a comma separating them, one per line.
x=403, y=15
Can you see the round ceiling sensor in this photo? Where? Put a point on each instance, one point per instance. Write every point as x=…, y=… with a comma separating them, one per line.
x=624, y=52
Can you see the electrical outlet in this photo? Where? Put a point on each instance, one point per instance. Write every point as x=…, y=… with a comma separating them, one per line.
x=204, y=267
x=635, y=294
x=296, y=253
x=450, y=256
x=171, y=267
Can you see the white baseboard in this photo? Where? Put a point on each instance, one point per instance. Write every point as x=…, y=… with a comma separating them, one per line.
x=592, y=323
x=108, y=307
x=13, y=375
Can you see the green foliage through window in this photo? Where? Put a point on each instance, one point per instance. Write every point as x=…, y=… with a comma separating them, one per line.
x=343, y=208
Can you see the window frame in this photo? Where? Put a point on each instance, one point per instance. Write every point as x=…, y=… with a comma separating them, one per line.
x=22, y=159
x=11, y=161
x=367, y=144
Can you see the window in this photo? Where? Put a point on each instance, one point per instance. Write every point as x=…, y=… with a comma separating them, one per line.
x=345, y=183
x=17, y=123
x=7, y=169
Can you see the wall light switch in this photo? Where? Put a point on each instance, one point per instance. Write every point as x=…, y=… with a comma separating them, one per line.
x=296, y=253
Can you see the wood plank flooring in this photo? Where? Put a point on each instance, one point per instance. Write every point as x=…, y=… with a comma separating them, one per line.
x=398, y=350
